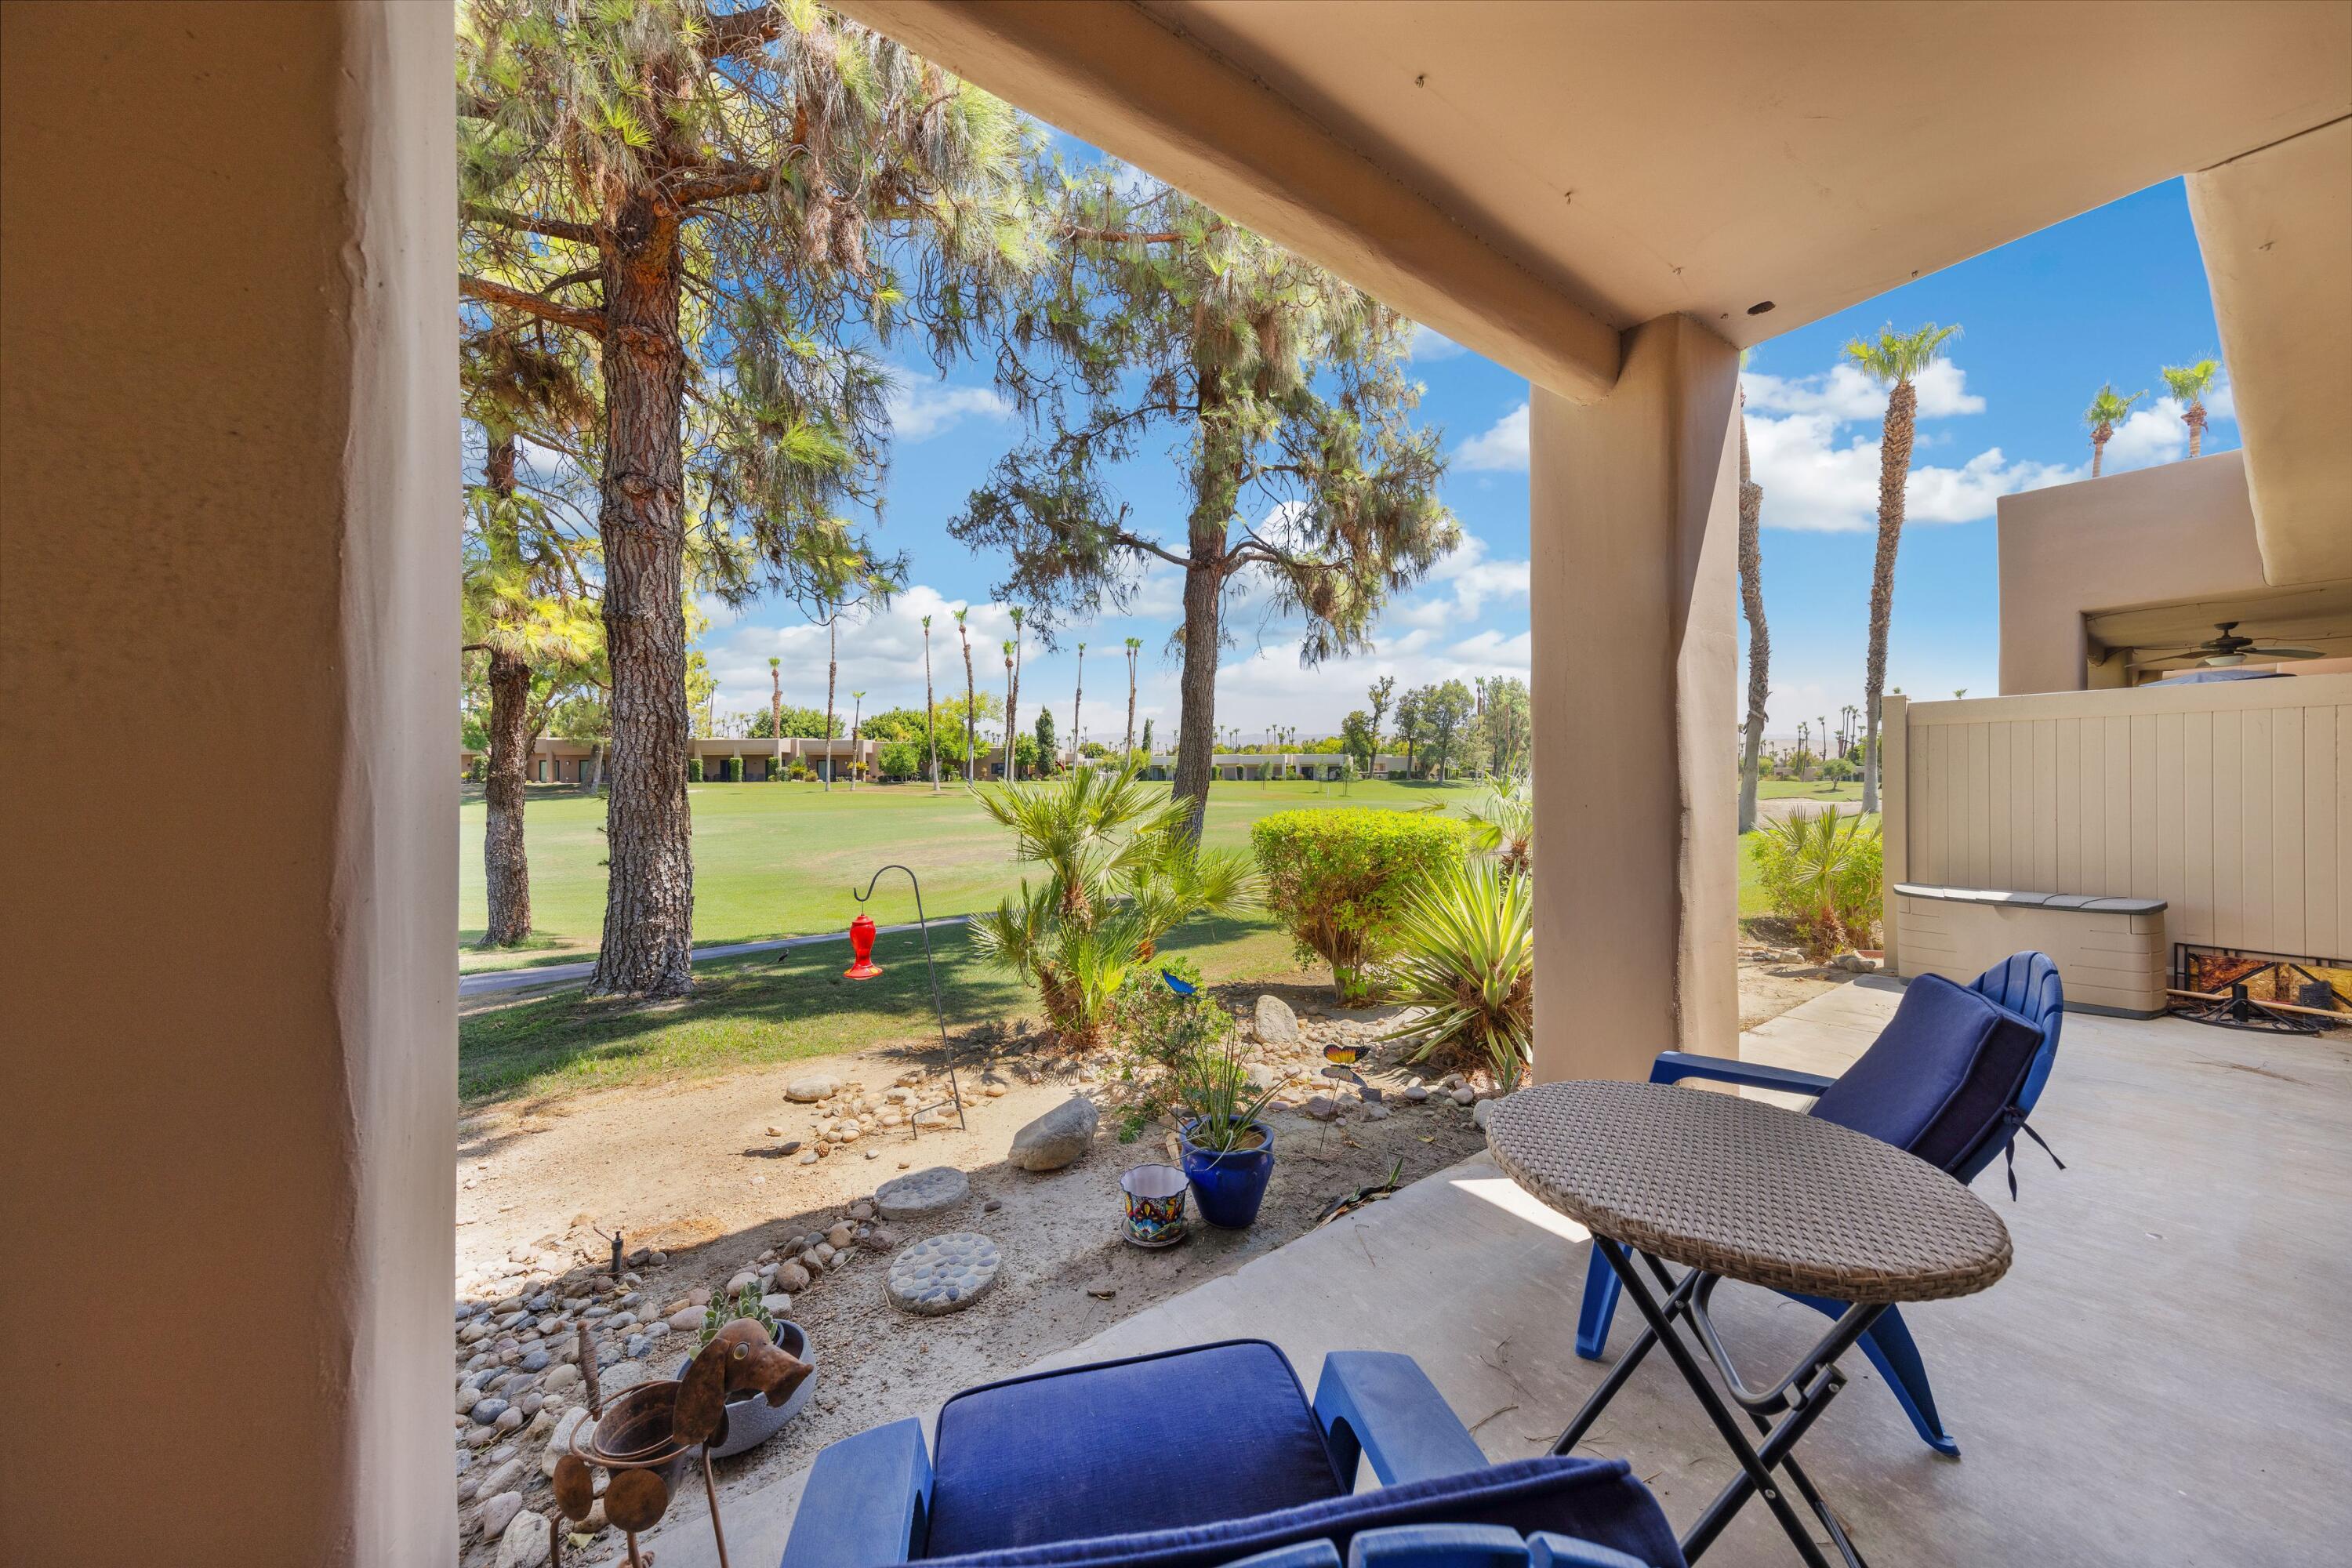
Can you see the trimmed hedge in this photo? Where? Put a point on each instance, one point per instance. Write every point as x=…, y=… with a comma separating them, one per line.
x=734, y=768
x=1341, y=879
x=694, y=770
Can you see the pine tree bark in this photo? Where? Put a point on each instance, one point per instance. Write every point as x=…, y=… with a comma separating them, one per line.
x=1893, y=473
x=1759, y=640
x=506, y=868
x=504, y=865
x=649, y=902
x=1196, y=715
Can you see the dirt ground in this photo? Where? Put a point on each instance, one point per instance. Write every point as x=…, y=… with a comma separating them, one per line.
x=699, y=1171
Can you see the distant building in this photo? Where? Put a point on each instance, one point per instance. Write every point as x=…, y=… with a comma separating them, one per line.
x=1236, y=766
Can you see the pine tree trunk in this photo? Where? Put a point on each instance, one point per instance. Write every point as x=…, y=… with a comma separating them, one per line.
x=506, y=868
x=1893, y=473
x=1759, y=641
x=1196, y=714
x=832, y=673
x=649, y=900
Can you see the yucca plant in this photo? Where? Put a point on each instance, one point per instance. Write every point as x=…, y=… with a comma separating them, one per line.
x=1467, y=955
x=1121, y=873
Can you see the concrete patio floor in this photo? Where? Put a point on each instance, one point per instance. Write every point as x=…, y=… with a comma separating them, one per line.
x=2162, y=1378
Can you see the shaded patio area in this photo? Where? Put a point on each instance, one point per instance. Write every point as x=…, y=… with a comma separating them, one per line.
x=2146, y=1385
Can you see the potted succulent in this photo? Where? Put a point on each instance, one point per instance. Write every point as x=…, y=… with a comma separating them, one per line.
x=750, y=1419
x=1228, y=1152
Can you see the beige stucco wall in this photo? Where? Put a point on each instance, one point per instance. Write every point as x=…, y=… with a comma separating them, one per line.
x=2179, y=531
x=1633, y=517
x=231, y=446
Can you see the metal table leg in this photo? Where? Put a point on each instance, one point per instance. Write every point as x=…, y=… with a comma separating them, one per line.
x=1804, y=1394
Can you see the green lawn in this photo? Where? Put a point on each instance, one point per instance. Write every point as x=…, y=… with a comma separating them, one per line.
x=758, y=1011
x=1796, y=789
x=779, y=859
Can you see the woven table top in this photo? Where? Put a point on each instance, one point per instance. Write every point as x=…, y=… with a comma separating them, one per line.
x=1748, y=1191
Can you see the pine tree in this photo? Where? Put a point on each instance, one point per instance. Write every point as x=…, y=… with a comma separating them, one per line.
x=1288, y=389
x=752, y=202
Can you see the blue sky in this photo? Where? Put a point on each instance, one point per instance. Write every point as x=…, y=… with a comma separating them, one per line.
x=2108, y=296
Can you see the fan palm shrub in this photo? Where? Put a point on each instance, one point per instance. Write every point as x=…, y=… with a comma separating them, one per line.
x=1504, y=826
x=1121, y=872
x=1467, y=956
x=1821, y=873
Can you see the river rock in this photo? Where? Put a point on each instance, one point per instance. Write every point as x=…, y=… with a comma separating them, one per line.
x=1322, y=1107
x=808, y=1091
x=499, y=1512
x=791, y=1277
x=524, y=1544
x=943, y=1273
x=559, y=1442
x=1054, y=1140
x=922, y=1193
x=1482, y=1111
x=1275, y=1023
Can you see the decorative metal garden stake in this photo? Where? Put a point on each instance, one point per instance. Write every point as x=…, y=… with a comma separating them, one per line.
x=861, y=944
x=617, y=1255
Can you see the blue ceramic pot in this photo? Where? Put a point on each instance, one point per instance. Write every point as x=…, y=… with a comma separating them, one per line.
x=1232, y=1185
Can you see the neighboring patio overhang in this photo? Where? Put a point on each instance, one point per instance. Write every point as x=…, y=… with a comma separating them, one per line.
x=2276, y=228
x=2099, y=579
x=1532, y=179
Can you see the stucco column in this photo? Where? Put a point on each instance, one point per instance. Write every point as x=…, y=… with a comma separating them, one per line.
x=1633, y=509
x=228, y=420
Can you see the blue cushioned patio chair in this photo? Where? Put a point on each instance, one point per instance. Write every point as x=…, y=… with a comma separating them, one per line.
x=1211, y=1456
x=1950, y=1078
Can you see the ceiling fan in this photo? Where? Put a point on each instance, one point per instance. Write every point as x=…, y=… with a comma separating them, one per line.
x=2223, y=651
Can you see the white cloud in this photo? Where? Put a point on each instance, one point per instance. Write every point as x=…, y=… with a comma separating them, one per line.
x=1467, y=581
x=921, y=410
x=1815, y=480
x=1843, y=393
x=1502, y=449
x=1269, y=687
x=1430, y=345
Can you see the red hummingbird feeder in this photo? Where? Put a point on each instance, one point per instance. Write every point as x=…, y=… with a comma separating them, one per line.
x=861, y=944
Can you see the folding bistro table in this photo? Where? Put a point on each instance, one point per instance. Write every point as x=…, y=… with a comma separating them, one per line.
x=1738, y=1189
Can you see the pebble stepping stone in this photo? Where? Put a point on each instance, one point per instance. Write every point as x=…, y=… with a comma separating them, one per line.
x=943, y=1273
x=923, y=1192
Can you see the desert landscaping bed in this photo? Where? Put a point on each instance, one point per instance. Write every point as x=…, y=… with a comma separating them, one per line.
x=712, y=1180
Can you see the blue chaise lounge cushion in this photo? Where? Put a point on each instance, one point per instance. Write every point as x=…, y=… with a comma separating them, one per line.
x=1596, y=1501
x=1939, y=1075
x=1158, y=1442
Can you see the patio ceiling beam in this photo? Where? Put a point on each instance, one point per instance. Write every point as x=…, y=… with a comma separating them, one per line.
x=1118, y=78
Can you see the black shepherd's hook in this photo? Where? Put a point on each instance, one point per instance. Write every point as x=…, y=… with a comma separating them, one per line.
x=939, y=1008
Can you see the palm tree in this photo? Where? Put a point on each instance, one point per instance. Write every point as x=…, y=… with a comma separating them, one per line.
x=1894, y=362
x=2188, y=383
x=1012, y=699
x=857, y=754
x=1010, y=773
x=1077, y=705
x=2106, y=411
x=1759, y=640
x=1134, y=647
x=931, y=707
x=971, y=700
